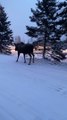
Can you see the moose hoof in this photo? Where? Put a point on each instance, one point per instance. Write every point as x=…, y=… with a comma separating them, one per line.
x=29, y=63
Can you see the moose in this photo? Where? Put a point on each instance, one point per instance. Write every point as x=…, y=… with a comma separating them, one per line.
x=25, y=48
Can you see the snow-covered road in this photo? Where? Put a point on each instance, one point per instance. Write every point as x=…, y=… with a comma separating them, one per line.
x=32, y=92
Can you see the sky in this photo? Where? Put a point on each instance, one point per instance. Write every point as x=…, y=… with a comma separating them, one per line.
x=18, y=12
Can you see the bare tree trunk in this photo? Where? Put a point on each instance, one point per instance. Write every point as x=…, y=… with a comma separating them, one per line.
x=44, y=51
x=45, y=40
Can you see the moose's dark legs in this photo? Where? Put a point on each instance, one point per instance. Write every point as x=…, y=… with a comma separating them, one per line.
x=18, y=57
x=33, y=57
x=31, y=54
x=24, y=59
x=30, y=59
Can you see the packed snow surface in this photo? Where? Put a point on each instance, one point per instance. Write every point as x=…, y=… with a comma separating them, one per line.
x=32, y=92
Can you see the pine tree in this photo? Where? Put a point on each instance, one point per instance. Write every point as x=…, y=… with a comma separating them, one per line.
x=32, y=31
x=62, y=15
x=61, y=22
x=44, y=18
x=6, y=37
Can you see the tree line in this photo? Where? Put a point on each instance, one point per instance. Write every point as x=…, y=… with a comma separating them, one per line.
x=50, y=24
x=50, y=18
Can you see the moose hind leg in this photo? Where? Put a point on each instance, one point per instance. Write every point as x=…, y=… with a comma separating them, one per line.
x=30, y=59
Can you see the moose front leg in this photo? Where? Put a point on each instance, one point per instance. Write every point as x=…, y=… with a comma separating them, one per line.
x=33, y=57
x=24, y=59
x=18, y=57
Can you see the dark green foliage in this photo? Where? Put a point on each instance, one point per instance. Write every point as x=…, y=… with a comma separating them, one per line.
x=50, y=20
x=6, y=37
x=32, y=31
x=63, y=14
x=44, y=18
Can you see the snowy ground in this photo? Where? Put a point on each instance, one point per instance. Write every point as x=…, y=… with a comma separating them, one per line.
x=32, y=92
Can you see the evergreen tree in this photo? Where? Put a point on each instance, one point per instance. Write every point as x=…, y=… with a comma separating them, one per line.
x=61, y=21
x=5, y=32
x=44, y=18
x=32, y=31
x=62, y=17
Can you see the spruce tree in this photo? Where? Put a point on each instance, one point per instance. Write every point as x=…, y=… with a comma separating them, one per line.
x=6, y=37
x=61, y=25
x=62, y=15
x=44, y=18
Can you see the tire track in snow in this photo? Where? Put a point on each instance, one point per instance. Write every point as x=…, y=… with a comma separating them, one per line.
x=20, y=104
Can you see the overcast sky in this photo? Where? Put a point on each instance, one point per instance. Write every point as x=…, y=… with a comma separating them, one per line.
x=18, y=12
